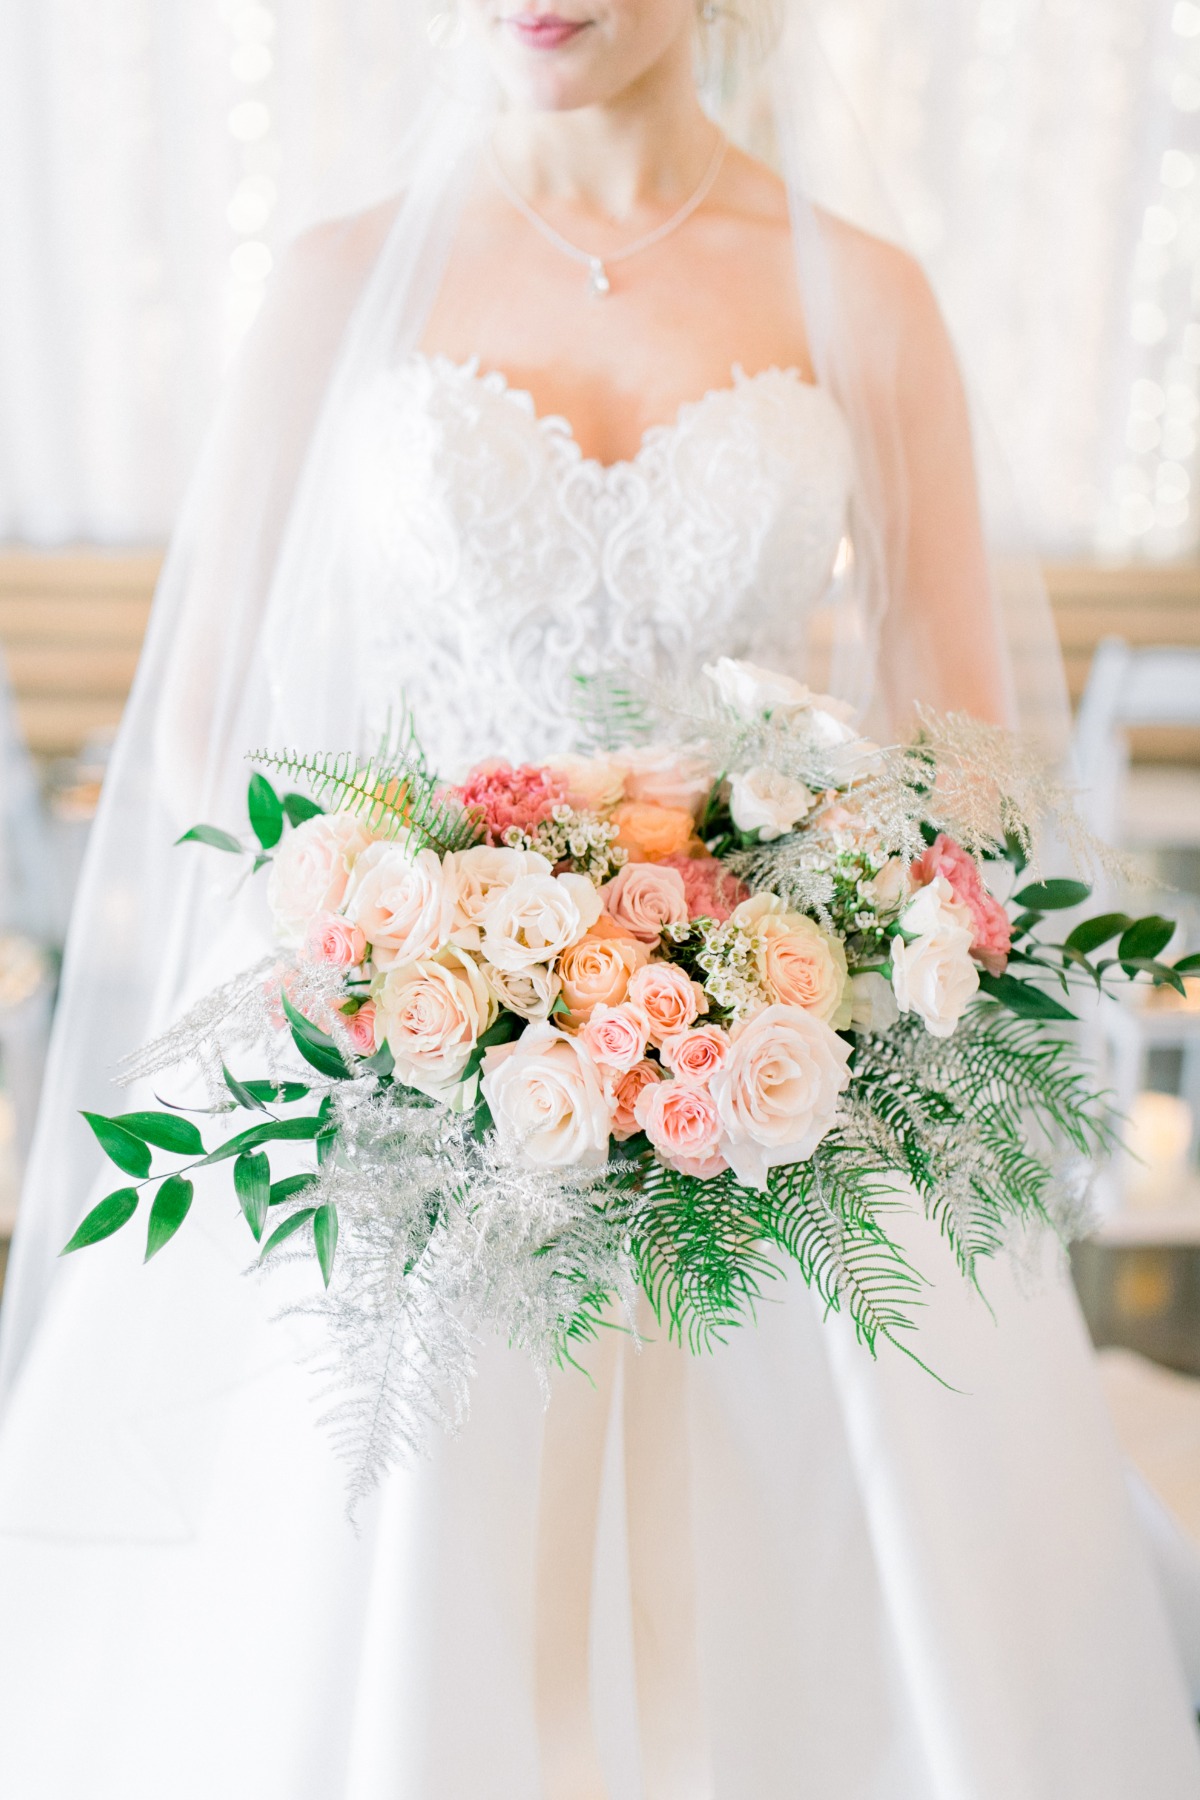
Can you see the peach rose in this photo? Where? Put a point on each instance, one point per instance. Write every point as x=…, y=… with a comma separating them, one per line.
x=311, y=870
x=660, y=775
x=430, y=1013
x=596, y=971
x=536, y=917
x=476, y=876
x=683, y=1124
x=616, y=1036
x=798, y=963
x=335, y=941
x=644, y=899
x=694, y=1056
x=548, y=1099
x=625, y=1097
x=400, y=897
x=669, y=998
x=778, y=1093
x=360, y=1029
x=651, y=832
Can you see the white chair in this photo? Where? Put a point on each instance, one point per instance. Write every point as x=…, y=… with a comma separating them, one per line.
x=1141, y=809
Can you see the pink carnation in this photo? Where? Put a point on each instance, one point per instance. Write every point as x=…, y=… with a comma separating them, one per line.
x=993, y=930
x=710, y=892
x=502, y=797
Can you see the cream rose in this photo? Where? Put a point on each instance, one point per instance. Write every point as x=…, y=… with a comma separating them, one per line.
x=595, y=783
x=778, y=1093
x=658, y=775
x=751, y=691
x=934, y=975
x=429, y=1013
x=616, y=1036
x=530, y=993
x=668, y=998
x=798, y=963
x=644, y=899
x=872, y=1003
x=311, y=870
x=399, y=895
x=765, y=801
x=476, y=876
x=683, y=1124
x=535, y=918
x=548, y=1098
x=596, y=971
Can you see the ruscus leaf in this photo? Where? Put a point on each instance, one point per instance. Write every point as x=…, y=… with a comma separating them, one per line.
x=292, y=1223
x=1022, y=998
x=1145, y=938
x=125, y=1148
x=269, y=1132
x=314, y=1045
x=252, y=1184
x=167, y=1131
x=266, y=811
x=290, y=1185
x=170, y=1209
x=299, y=807
x=213, y=836
x=242, y=1092
x=1089, y=934
x=106, y=1217
x=279, y=1093
x=325, y=1236
x=1188, y=965
x=1052, y=896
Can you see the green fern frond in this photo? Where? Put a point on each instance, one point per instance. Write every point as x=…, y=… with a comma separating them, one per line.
x=391, y=793
x=609, y=713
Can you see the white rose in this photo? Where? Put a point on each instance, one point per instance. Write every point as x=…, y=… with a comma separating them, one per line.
x=311, y=870
x=400, y=897
x=548, y=1097
x=934, y=975
x=533, y=920
x=596, y=783
x=530, y=993
x=777, y=1094
x=430, y=1014
x=765, y=801
x=872, y=1003
x=751, y=690
x=664, y=775
x=475, y=876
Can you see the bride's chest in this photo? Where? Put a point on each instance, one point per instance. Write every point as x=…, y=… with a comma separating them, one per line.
x=467, y=499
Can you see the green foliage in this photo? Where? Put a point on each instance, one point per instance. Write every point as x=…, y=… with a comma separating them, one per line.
x=126, y=1148
x=1145, y=939
x=106, y=1217
x=299, y=807
x=1022, y=997
x=273, y=1131
x=290, y=1186
x=266, y=811
x=166, y=1131
x=609, y=714
x=393, y=791
x=170, y=1209
x=281, y=1233
x=252, y=1184
x=1052, y=896
x=325, y=1236
x=213, y=836
x=315, y=1045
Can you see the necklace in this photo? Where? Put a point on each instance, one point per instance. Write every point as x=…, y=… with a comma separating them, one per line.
x=597, y=266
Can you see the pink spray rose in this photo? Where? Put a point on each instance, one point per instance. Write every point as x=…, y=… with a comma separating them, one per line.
x=668, y=997
x=625, y=1095
x=335, y=941
x=643, y=898
x=616, y=1036
x=992, y=937
x=684, y=1126
x=695, y=1056
x=360, y=1027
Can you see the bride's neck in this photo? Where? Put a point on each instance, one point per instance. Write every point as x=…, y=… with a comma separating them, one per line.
x=647, y=148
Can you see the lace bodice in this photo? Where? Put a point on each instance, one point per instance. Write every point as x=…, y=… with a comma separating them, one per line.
x=505, y=560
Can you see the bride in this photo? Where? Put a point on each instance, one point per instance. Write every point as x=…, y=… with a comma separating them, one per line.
x=575, y=382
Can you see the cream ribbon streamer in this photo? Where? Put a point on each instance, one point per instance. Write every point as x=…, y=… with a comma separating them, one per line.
x=674, y=1751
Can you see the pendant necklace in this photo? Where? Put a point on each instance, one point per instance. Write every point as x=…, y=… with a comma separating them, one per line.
x=597, y=266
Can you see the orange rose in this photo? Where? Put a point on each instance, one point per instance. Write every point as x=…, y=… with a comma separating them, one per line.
x=596, y=972
x=650, y=832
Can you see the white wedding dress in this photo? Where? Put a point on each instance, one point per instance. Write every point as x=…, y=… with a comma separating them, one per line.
x=815, y=1575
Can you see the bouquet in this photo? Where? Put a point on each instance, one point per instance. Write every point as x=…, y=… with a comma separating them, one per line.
x=719, y=994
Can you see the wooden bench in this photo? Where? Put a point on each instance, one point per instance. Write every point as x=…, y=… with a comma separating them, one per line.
x=71, y=623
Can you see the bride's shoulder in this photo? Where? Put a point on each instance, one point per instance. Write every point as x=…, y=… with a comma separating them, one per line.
x=341, y=251
x=886, y=291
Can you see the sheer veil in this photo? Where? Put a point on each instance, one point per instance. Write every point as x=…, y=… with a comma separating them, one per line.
x=260, y=631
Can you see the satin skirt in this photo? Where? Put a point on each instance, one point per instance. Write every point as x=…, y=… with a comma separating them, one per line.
x=775, y=1571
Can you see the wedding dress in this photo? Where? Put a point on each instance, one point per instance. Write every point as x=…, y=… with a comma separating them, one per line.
x=814, y=1574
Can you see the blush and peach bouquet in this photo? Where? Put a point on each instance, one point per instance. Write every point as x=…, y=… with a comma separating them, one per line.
x=717, y=992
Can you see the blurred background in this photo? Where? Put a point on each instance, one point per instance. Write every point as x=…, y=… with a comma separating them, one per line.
x=1044, y=156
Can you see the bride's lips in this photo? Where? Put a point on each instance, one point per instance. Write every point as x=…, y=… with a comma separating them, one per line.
x=543, y=31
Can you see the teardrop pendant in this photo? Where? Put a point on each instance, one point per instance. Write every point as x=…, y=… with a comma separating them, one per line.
x=598, y=283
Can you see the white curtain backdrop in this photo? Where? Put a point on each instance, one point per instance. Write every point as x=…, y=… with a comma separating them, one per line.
x=1044, y=155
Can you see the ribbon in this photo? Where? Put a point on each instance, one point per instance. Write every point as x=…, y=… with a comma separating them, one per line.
x=650, y=1385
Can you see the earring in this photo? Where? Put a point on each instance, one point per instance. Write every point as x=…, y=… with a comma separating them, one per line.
x=708, y=13
x=446, y=30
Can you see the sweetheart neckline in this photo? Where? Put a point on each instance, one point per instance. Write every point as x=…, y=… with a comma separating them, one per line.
x=560, y=428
